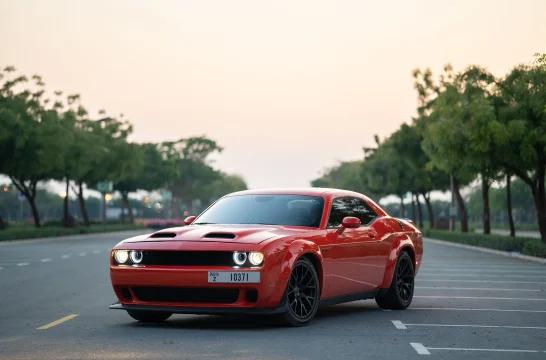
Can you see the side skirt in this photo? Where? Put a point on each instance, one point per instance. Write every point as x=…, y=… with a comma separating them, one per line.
x=350, y=297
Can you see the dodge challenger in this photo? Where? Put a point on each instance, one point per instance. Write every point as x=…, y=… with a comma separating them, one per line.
x=282, y=252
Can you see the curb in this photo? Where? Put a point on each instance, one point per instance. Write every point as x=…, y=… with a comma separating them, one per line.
x=75, y=237
x=510, y=254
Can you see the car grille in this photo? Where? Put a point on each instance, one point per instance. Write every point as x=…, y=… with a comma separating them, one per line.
x=188, y=258
x=186, y=295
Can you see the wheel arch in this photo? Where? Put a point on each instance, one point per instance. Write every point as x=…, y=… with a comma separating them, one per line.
x=401, y=244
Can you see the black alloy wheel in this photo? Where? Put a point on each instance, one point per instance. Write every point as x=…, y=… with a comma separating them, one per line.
x=302, y=294
x=400, y=293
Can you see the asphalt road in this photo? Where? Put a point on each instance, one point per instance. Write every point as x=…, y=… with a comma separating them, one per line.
x=467, y=305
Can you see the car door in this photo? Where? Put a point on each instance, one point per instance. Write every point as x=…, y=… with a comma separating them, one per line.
x=353, y=253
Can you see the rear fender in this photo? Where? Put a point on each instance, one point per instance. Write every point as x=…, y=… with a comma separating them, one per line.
x=401, y=242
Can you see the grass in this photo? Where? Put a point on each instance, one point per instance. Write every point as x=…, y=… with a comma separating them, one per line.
x=18, y=231
x=523, y=245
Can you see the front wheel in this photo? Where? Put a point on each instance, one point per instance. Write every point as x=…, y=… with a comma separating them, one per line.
x=302, y=294
x=149, y=316
x=400, y=294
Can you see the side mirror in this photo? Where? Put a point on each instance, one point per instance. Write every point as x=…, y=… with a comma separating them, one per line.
x=349, y=222
x=189, y=220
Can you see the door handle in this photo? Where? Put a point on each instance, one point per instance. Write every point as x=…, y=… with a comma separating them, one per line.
x=371, y=236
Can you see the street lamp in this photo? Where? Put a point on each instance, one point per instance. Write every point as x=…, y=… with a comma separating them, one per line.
x=63, y=194
x=108, y=197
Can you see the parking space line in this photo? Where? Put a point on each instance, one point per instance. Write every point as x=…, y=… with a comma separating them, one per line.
x=65, y=256
x=485, y=270
x=401, y=326
x=398, y=324
x=57, y=322
x=82, y=254
x=96, y=251
x=474, y=297
x=22, y=264
x=435, y=275
x=481, y=289
x=477, y=309
x=481, y=281
x=45, y=260
x=420, y=348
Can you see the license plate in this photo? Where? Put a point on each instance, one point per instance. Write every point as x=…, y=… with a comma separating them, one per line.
x=234, y=276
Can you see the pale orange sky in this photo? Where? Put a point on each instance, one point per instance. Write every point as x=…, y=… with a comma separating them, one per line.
x=287, y=87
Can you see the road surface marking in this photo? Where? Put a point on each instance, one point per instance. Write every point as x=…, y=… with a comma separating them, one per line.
x=480, y=281
x=480, y=275
x=1, y=268
x=22, y=264
x=450, y=271
x=484, y=289
x=474, y=297
x=46, y=260
x=65, y=256
x=463, y=309
x=386, y=309
x=82, y=254
x=398, y=324
x=57, y=322
x=421, y=350
x=96, y=251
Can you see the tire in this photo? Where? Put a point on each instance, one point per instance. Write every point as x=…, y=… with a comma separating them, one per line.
x=302, y=295
x=400, y=293
x=149, y=316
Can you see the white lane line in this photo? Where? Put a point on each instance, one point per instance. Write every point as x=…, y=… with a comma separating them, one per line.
x=423, y=350
x=96, y=251
x=466, y=309
x=420, y=348
x=82, y=254
x=436, y=271
x=22, y=264
x=402, y=326
x=480, y=275
x=474, y=297
x=481, y=281
x=45, y=260
x=398, y=324
x=484, y=289
x=65, y=256
x=1, y=268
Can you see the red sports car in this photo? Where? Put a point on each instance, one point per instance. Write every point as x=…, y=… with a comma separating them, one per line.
x=281, y=252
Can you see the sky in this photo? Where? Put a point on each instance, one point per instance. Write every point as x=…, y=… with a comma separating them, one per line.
x=288, y=88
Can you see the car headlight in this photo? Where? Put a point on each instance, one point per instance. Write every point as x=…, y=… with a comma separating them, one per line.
x=256, y=258
x=121, y=256
x=239, y=258
x=136, y=257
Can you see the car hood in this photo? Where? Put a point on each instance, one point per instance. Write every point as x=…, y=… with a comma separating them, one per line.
x=241, y=234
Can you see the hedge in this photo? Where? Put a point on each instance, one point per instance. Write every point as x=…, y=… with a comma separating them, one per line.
x=17, y=233
x=523, y=245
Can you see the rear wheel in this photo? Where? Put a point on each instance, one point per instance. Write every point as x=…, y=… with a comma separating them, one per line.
x=302, y=294
x=149, y=316
x=400, y=294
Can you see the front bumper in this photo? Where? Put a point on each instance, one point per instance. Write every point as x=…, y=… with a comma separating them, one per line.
x=201, y=310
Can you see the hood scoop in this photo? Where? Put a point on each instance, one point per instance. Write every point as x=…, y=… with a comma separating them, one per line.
x=163, y=235
x=218, y=235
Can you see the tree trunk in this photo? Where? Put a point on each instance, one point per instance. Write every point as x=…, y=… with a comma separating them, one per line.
x=35, y=213
x=402, y=208
x=81, y=201
x=65, y=205
x=125, y=197
x=413, y=212
x=419, y=211
x=486, y=211
x=509, y=205
x=462, y=207
x=122, y=216
x=430, y=212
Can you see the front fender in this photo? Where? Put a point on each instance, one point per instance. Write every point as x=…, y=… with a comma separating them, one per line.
x=398, y=245
x=295, y=250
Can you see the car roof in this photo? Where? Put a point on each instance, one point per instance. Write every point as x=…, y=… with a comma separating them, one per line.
x=308, y=191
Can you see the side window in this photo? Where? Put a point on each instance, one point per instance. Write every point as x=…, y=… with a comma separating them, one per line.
x=343, y=207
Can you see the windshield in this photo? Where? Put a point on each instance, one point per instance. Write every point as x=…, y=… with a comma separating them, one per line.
x=295, y=210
